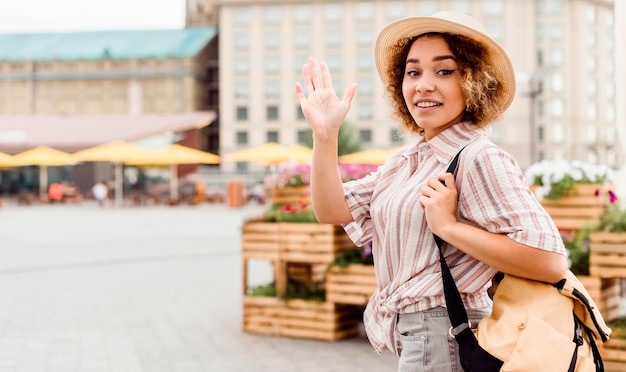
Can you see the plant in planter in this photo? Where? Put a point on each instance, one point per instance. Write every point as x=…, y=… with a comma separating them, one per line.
x=555, y=179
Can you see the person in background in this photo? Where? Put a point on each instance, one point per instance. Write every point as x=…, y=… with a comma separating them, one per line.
x=55, y=192
x=447, y=81
x=100, y=192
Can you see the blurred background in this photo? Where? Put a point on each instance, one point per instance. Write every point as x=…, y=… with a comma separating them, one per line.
x=219, y=76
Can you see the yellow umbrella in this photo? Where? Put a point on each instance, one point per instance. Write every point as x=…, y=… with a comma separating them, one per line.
x=272, y=153
x=6, y=160
x=119, y=153
x=177, y=154
x=43, y=156
x=372, y=156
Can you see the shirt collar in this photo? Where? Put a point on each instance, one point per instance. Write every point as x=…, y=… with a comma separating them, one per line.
x=448, y=143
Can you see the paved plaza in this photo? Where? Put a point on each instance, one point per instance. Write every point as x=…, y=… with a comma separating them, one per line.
x=142, y=289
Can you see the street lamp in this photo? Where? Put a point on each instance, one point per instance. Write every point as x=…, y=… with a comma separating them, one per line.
x=535, y=90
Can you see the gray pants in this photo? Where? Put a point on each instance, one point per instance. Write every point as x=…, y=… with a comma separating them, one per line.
x=426, y=344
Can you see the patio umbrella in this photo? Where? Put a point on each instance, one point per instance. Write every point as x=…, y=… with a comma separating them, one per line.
x=177, y=154
x=117, y=152
x=6, y=160
x=272, y=153
x=372, y=156
x=43, y=156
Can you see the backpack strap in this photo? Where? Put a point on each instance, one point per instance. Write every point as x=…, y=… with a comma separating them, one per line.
x=584, y=306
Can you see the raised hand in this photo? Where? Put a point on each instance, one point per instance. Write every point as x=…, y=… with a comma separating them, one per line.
x=324, y=111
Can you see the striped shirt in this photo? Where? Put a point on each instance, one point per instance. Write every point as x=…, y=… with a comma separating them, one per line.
x=493, y=195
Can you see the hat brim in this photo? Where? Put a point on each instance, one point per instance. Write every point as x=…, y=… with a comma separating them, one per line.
x=445, y=22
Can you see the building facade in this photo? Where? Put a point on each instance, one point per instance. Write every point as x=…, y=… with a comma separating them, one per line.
x=563, y=52
x=119, y=72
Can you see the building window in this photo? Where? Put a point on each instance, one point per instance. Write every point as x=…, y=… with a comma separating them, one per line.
x=592, y=111
x=592, y=87
x=364, y=11
x=241, y=66
x=272, y=40
x=395, y=136
x=556, y=57
x=609, y=113
x=302, y=39
x=241, y=167
x=304, y=136
x=557, y=108
x=272, y=88
x=463, y=6
x=590, y=13
x=610, y=89
x=333, y=38
x=591, y=39
x=302, y=14
x=272, y=113
x=365, y=61
x=493, y=8
x=364, y=37
x=272, y=64
x=366, y=111
x=366, y=86
x=241, y=16
x=496, y=31
x=365, y=135
x=272, y=136
x=333, y=12
x=242, y=89
x=554, y=6
x=592, y=134
x=557, y=84
x=242, y=41
x=334, y=63
x=396, y=10
x=558, y=135
x=241, y=113
x=298, y=61
x=241, y=138
x=271, y=15
x=555, y=31
x=592, y=63
x=299, y=113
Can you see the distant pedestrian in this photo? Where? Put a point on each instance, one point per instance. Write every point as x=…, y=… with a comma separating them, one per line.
x=55, y=192
x=100, y=192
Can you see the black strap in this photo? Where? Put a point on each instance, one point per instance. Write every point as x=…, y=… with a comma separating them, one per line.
x=454, y=303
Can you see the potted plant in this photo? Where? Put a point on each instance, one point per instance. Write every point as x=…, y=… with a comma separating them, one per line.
x=608, y=243
x=350, y=278
x=571, y=192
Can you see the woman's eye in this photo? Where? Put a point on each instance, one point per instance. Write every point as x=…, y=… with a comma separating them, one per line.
x=412, y=73
x=446, y=72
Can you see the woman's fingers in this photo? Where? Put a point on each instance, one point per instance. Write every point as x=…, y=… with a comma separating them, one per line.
x=315, y=74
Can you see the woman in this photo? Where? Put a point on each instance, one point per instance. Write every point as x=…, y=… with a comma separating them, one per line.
x=447, y=81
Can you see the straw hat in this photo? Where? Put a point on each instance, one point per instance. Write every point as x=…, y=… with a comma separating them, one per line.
x=452, y=23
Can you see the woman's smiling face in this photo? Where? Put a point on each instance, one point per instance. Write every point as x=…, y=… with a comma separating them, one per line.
x=432, y=86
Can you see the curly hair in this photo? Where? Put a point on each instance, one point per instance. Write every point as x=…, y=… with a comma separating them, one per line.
x=483, y=94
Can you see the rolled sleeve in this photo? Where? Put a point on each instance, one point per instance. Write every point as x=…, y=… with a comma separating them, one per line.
x=358, y=194
x=497, y=198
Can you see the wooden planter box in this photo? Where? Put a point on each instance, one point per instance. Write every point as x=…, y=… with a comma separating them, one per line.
x=607, y=257
x=614, y=355
x=302, y=319
x=290, y=195
x=292, y=243
x=353, y=284
x=579, y=207
x=606, y=293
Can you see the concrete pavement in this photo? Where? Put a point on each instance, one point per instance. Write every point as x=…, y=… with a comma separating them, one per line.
x=145, y=289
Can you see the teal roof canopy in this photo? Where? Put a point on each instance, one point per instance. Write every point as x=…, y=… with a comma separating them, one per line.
x=99, y=45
